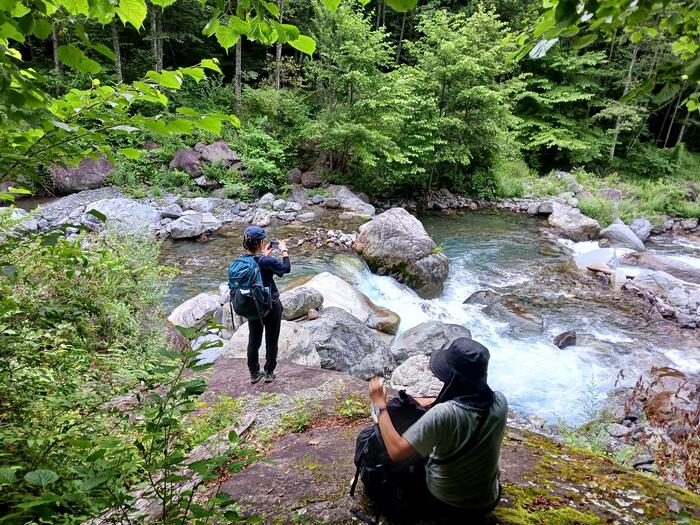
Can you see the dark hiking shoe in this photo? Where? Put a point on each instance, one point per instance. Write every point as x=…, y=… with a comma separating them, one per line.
x=269, y=377
x=256, y=376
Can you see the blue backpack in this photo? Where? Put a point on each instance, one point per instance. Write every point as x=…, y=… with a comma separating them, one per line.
x=249, y=297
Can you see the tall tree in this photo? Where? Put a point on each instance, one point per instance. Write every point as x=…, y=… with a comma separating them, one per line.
x=58, y=66
x=117, y=51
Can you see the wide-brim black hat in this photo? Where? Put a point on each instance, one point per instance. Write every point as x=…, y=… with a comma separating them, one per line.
x=464, y=358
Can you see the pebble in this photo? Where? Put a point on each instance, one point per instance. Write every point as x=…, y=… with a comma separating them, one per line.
x=616, y=430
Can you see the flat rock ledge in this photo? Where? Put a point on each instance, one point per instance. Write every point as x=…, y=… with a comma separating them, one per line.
x=306, y=476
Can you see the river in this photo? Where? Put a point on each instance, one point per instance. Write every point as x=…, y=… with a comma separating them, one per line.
x=508, y=253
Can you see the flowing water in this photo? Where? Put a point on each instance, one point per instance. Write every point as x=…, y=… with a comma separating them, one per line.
x=509, y=254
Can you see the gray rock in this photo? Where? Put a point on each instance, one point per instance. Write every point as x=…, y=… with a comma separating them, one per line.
x=189, y=161
x=292, y=207
x=209, y=348
x=220, y=153
x=483, y=297
x=172, y=211
x=88, y=174
x=622, y=236
x=312, y=314
x=533, y=208
x=279, y=204
x=546, y=208
x=675, y=267
x=595, y=258
x=203, y=182
x=221, y=193
x=194, y=311
x=266, y=200
x=243, y=206
x=618, y=431
x=425, y=339
x=261, y=217
x=396, y=240
x=331, y=203
x=518, y=318
x=610, y=194
x=689, y=224
x=294, y=176
x=193, y=225
x=642, y=228
x=306, y=217
x=127, y=217
x=346, y=344
x=311, y=179
x=298, y=301
x=661, y=284
x=317, y=199
x=565, y=339
x=286, y=216
x=199, y=204
x=350, y=201
x=27, y=222
x=414, y=376
x=571, y=223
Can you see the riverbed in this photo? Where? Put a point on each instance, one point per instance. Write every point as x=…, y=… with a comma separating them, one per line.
x=508, y=253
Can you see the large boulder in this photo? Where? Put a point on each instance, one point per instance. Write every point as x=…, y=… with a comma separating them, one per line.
x=349, y=201
x=88, y=174
x=189, y=161
x=194, y=311
x=199, y=204
x=598, y=258
x=348, y=345
x=397, y=242
x=675, y=267
x=311, y=179
x=414, y=376
x=622, y=236
x=193, y=225
x=124, y=216
x=298, y=301
x=59, y=211
x=573, y=224
x=519, y=319
x=641, y=228
x=220, y=153
x=425, y=339
x=296, y=345
x=261, y=217
x=294, y=176
x=339, y=293
x=667, y=287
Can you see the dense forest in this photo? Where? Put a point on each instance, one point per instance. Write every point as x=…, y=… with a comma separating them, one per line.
x=478, y=97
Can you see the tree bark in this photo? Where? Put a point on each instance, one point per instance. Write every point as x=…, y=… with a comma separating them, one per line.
x=278, y=52
x=398, y=48
x=159, y=32
x=56, y=62
x=237, y=75
x=379, y=14
x=117, y=51
x=628, y=85
x=673, y=117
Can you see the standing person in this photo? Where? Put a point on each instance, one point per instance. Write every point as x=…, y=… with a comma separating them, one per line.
x=460, y=436
x=254, y=243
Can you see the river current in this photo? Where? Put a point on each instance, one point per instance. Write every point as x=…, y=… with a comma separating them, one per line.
x=507, y=253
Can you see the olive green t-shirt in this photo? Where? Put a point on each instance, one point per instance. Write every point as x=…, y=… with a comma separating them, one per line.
x=469, y=481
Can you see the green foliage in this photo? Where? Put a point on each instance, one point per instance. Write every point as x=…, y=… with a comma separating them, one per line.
x=352, y=406
x=597, y=208
x=212, y=418
x=296, y=420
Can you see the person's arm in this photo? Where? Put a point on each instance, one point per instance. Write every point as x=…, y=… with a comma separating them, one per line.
x=397, y=447
x=279, y=268
x=425, y=402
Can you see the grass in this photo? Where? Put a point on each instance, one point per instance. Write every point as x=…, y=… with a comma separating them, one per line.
x=296, y=420
x=352, y=407
x=213, y=418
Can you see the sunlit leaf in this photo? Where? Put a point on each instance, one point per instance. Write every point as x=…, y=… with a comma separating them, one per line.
x=304, y=43
x=132, y=12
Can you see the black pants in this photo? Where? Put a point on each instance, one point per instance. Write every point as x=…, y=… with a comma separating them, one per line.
x=271, y=324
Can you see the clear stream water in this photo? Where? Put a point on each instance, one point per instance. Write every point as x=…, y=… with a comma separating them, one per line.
x=507, y=253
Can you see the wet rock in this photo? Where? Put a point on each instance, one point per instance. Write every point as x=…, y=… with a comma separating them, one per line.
x=397, y=241
x=618, y=431
x=199, y=204
x=483, y=297
x=193, y=225
x=641, y=228
x=189, y=161
x=306, y=217
x=516, y=315
x=220, y=153
x=127, y=217
x=172, y=211
x=294, y=176
x=594, y=259
x=661, y=284
x=350, y=201
x=348, y=345
x=194, y=311
x=341, y=294
x=426, y=338
x=331, y=203
x=311, y=179
x=571, y=223
x=88, y=174
x=546, y=208
x=565, y=339
x=621, y=235
x=414, y=376
x=296, y=345
x=298, y=301
x=675, y=267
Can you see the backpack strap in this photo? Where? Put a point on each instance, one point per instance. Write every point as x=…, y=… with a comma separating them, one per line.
x=467, y=444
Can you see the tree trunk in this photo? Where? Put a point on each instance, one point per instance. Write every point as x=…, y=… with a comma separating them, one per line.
x=379, y=14
x=159, y=32
x=237, y=74
x=628, y=85
x=117, y=51
x=398, y=48
x=154, y=36
x=278, y=52
x=56, y=62
x=673, y=118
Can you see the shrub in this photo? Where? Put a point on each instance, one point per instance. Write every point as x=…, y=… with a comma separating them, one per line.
x=352, y=407
x=295, y=421
x=599, y=209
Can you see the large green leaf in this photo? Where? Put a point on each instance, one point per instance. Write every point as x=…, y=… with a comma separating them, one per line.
x=227, y=37
x=402, y=6
x=73, y=57
x=41, y=478
x=7, y=30
x=585, y=40
x=167, y=79
x=211, y=63
x=7, y=476
x=76, y=7
x=331, y=5
x=163, y=3
x=304, y=43
x=132, y=12
x=42, y=28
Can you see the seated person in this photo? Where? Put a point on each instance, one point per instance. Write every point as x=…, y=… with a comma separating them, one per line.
x=460, y=435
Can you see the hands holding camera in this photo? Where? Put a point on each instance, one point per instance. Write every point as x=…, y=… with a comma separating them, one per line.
x=277, y=245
